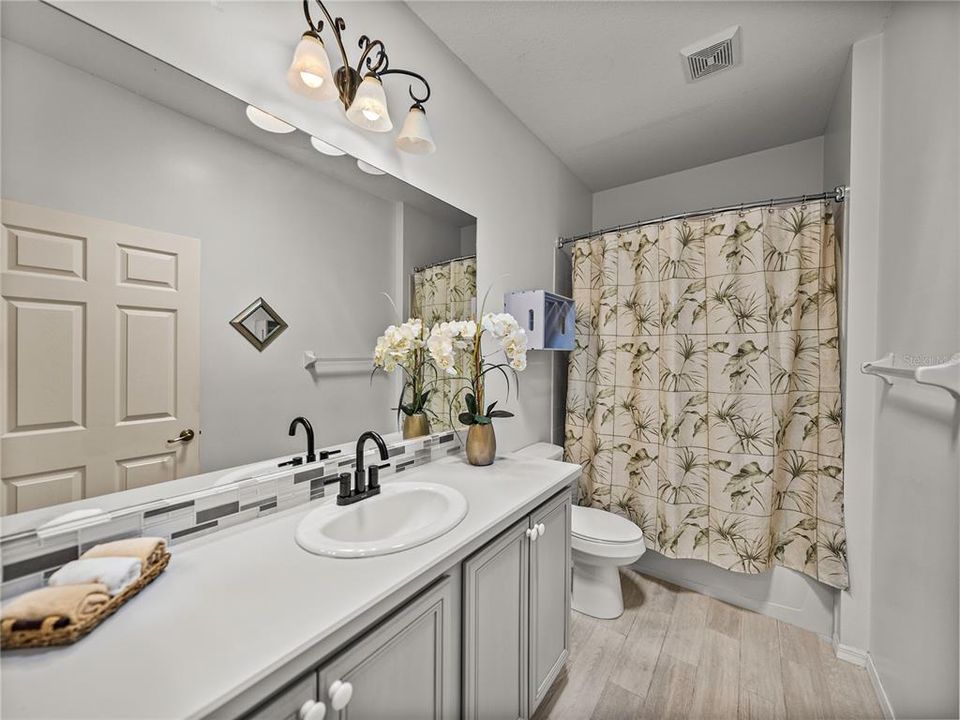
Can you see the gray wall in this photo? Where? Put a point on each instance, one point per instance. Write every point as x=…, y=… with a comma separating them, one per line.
x=788, y=170
x=836, y=136
x=319, y=252
x=792, y=169
x=914, y=629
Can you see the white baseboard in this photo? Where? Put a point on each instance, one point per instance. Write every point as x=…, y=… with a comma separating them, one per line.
x=849, y=653
x=864, y=659
x=882, y=698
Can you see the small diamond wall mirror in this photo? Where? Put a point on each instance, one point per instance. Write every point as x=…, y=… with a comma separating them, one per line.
x=259, y=323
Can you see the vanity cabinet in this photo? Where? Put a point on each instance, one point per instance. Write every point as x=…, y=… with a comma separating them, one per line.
x=407, y=667
x=516, y=615
x=551, y=576
x=486, y=640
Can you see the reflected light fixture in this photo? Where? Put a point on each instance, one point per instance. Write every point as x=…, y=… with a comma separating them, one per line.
x=326, y=148
x=362, y=95
x=370, y=169
x=268, y=122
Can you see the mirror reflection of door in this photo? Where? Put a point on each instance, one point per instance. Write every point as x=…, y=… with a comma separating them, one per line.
x=100, y=366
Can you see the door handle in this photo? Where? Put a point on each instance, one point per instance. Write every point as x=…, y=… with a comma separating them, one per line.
x=185, y=436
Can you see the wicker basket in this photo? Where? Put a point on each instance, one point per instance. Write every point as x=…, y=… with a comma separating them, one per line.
x=47, y=635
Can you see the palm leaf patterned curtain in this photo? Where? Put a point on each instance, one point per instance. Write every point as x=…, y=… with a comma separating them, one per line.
x=442, y=293
x=704, y=390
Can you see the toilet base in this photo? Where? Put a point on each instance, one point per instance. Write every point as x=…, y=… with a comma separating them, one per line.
x=596, y=591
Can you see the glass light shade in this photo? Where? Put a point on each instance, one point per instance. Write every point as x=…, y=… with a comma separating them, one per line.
x=369, y=107
x=309, y=72
x=415, y=134
x=370, y=169
x=268, y=122
x=325, y=148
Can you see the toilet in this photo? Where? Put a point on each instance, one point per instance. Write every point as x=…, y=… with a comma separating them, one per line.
x=602, y=543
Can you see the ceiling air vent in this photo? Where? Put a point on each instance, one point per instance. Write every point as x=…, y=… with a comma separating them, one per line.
x=712, y=54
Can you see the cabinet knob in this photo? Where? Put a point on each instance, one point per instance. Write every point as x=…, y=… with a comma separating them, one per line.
x=532, y=533
x=340, y=694
x=541, y=529
x=312, y=710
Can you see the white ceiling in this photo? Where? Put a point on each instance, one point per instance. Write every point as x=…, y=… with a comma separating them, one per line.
x=602, y=84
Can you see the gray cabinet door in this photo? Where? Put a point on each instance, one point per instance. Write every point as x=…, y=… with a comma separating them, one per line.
x=549, y=596
x=286, y=704
x=495, y=607
x=406, y=667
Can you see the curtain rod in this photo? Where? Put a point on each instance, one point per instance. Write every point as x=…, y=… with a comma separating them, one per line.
x=444, y=262
x=838, y=194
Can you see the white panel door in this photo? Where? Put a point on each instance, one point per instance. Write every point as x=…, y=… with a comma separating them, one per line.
x=100, y=361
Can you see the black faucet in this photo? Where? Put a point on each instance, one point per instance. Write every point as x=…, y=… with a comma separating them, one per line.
x=311, y=451
x=312, y=455
x=363, y=487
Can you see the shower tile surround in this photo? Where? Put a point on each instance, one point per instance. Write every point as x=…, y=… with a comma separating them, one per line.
x=30, y=557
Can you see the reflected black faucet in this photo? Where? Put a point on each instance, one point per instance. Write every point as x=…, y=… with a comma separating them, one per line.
x=311, y=450
x=361, y=487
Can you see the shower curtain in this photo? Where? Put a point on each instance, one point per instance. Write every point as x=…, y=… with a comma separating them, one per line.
x=703, y=398
x=442, y=293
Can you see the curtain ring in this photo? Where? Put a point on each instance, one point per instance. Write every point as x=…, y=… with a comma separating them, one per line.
x=803, y=203
x=661, y=222
x=741, y=210
x=770, y=208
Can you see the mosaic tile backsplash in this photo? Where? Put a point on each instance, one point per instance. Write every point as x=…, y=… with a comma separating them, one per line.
x=29, y=558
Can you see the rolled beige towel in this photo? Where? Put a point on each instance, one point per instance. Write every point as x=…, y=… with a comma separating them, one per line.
x=149, y=549
x=73, y=602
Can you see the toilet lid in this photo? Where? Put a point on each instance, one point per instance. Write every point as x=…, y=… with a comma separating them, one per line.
x=602, y=526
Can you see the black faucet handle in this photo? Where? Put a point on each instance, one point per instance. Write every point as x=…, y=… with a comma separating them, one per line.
x=325, y=454
x=294, y=461
x=373, y=476
x=345, y=487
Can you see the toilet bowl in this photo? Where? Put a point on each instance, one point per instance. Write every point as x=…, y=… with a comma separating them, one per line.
x=602, y=542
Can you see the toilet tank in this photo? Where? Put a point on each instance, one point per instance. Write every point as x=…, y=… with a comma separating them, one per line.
x=543, y=451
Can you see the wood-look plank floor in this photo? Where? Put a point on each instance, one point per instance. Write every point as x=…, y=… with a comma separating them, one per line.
x=677, y=654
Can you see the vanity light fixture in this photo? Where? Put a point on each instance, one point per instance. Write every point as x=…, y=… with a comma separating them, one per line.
x=326, y=148
x=370, y=169
x=268, y=122
x=362, y=96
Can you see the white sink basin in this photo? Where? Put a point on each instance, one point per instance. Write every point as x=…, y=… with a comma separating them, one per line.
x=402, y=516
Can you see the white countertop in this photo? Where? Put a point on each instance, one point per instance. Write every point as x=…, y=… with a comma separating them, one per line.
x=237, y=605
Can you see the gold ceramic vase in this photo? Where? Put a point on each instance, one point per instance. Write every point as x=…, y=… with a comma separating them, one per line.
x=481, y=444
x=416, y=425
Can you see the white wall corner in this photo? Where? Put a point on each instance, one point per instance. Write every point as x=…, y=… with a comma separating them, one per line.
x=882, y=698
x=860, y=344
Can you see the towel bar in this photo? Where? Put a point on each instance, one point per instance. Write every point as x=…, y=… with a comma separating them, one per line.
x=944, y=375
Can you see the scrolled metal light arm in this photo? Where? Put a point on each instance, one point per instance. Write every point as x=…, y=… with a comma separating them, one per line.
x=418, y=101
x=373, y=58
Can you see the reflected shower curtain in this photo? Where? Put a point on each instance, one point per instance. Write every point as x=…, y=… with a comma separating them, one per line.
x=704, y=389
x=442, y=293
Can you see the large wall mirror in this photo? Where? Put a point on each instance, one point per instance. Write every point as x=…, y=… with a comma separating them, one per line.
x=143, y=211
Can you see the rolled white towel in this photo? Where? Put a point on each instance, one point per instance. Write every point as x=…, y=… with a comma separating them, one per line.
x=114, y=572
